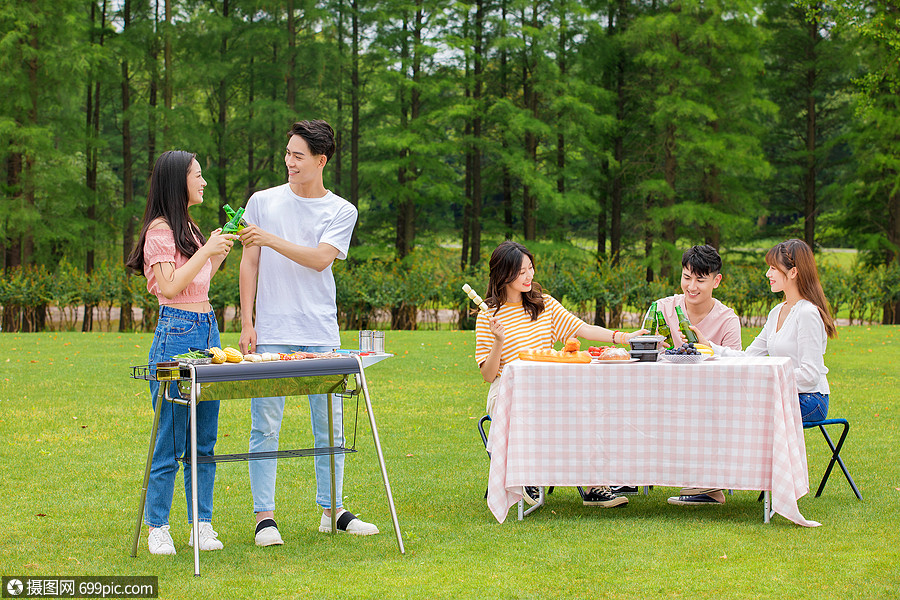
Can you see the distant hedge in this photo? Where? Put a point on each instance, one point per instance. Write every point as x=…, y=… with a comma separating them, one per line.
x=369, y=291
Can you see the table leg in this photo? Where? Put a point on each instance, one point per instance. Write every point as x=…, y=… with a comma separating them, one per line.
x=767, y=505
x=330, y=403
x=384, y=476
x=541, y=498
x=194, y=507
x=140, y=516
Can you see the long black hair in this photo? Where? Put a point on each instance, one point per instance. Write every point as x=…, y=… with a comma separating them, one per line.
x=168, y=198
x=505, y=265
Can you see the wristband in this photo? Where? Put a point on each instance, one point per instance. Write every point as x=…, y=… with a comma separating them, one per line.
x=614, y=336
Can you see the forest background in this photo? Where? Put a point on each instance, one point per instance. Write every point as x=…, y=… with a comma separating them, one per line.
x=605, y=134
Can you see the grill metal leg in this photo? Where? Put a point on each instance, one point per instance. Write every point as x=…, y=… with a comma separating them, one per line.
x=143, y=501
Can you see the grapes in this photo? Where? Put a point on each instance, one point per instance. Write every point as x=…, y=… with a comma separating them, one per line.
x=686, y=348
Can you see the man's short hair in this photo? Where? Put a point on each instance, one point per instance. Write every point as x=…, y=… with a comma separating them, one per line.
x=318, y=134
x=703, y=261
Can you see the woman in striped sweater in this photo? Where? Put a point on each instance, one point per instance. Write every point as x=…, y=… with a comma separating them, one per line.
x=522, y=317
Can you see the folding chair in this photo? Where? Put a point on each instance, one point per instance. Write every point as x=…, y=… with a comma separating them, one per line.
x=487, y=419
x=835, y=451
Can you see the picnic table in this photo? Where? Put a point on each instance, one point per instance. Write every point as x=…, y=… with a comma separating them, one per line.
x=730, y=423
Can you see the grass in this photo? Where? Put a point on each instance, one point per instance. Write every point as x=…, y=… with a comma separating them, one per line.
x=73, y=438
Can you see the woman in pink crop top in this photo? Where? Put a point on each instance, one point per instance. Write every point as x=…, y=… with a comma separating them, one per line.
x=178, y=263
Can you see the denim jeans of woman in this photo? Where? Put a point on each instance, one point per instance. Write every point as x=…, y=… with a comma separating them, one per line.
x=813, y=407
x=177, y=332
x=265, y=425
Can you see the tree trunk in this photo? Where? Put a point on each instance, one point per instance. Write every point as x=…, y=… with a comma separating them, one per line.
x=404, y=315
x=13, y=249
x=154, y=88
x=125, y=317
x=530, y=95
x=618, y=185
x=167, y=66
x=670, y=170
x=506, y=176
x=354, y=112
x=561, y=118
x=809, y=175
x=339, y=97
x=251, y=159
x=712, y=195
x=91, y=163
x=600, y=306
x=891, y=312
x=222, y=127
x=477, y=200
x=648, y=242
x=290, y=81
x=467, y=182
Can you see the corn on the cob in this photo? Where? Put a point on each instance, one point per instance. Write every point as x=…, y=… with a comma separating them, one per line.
x=218, y=356
x=233, y=355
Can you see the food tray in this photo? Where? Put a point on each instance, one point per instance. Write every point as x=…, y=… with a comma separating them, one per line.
x=194, y=361
x=597, y=361
x=683, y=358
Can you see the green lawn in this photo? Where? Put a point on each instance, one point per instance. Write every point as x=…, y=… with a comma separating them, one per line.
x=73, y=437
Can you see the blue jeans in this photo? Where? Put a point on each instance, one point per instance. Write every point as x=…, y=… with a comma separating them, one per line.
x=265, y=424
x=177, y=332
x=813, y=406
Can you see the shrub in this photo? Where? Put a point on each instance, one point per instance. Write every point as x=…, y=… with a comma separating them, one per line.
x=429, y=279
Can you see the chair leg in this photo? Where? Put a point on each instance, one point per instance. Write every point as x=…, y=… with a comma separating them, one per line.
x=836, y=457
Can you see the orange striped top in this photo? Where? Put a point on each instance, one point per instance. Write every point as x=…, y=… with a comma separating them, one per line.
x=552, y=325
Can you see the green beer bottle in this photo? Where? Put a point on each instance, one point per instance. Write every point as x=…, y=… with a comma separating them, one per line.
x=684, y=325
x=650, y=320
x=233, y=225
x=663, y=329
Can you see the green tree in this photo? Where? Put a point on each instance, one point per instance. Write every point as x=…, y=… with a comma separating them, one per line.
x=704, y=107
x=808, y=68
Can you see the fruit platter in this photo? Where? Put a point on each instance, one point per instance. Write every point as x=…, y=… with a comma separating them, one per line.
x=687, y=353
x=609, y=353
x=571, y=353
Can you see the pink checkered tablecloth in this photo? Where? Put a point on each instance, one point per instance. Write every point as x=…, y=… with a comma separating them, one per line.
x=731, y=423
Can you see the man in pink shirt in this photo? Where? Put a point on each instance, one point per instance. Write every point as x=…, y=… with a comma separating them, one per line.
x=700, y=274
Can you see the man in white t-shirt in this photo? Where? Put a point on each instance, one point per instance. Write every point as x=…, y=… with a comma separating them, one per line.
x=296, y=232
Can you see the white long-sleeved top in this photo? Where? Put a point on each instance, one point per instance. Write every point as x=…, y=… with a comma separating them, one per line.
x=802, y=338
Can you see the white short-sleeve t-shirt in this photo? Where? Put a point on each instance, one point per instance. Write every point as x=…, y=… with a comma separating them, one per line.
x=296, y=304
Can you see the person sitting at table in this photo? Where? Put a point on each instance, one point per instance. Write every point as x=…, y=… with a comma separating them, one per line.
x=522, y=317
x=798, y=327
x=701, y=274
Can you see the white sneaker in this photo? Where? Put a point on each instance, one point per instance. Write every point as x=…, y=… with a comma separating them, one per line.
x=160, y=542
x=347, y=522
x=208, y=538
x=267, y=533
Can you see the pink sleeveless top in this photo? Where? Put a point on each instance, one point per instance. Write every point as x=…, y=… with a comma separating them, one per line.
x=159, y=246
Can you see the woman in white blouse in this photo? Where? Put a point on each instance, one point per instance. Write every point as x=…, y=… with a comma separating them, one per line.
x=798, y=328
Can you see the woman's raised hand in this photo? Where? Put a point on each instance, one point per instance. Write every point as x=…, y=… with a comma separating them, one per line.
x=627, y=336
x=219, y=244
x=497, y=329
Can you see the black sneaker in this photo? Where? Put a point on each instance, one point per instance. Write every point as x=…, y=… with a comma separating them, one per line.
x=628, y=490
x=603, y=496
x=531, y=494
x=698, y=499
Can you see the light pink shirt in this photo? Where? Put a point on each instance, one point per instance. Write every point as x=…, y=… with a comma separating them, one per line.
x=159, y=246
x=721, y=326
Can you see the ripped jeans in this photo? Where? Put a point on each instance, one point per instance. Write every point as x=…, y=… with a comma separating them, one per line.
x=265, y=425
